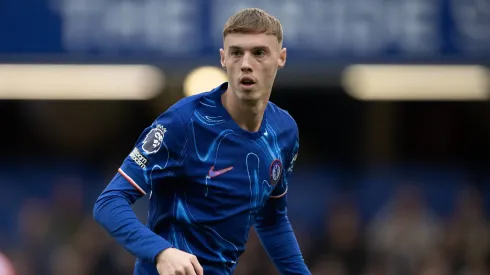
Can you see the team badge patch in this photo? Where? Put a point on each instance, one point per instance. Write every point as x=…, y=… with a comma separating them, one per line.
x=154, y=139
x=275, y=171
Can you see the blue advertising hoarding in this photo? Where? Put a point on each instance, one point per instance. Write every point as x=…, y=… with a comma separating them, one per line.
x=335, y=31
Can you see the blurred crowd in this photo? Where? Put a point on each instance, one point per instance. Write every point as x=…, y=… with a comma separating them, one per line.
x=56, y=235
x=404, y=238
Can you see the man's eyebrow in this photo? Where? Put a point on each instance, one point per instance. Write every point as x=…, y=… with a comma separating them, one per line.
x=234, y=47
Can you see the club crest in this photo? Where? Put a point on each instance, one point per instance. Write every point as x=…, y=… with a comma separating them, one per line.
x=275, y=171
x=154, y=139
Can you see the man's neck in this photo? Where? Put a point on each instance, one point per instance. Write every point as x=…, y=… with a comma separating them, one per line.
x=248, y=115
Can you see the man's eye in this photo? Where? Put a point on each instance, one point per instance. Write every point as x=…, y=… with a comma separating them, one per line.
x=260, y=53
x=235, y=53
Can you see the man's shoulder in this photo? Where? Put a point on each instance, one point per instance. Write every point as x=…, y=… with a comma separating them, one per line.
x=282, y=117
x=185, y=107
x=182, y=110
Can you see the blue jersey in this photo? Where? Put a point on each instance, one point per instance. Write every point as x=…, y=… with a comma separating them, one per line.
x=207, y=178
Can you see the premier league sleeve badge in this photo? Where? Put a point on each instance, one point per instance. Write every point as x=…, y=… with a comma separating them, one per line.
x=154, y=139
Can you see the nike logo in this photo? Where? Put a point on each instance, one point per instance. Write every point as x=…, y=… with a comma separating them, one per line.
x=212, y=173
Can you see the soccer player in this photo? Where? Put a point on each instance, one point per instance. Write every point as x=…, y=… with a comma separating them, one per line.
x=214, y=165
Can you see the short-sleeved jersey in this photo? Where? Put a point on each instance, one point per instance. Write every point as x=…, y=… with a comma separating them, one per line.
x=208, y=178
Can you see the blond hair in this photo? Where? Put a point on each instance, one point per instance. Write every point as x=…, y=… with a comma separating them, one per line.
x=253, y=20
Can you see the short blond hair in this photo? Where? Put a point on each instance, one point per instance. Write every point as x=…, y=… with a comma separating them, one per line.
x=254, y=20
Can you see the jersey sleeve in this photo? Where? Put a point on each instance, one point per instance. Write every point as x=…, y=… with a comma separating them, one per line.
x=157, y=154
x=282, y=187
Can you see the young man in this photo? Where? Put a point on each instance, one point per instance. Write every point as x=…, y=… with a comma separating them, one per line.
x=215, y=164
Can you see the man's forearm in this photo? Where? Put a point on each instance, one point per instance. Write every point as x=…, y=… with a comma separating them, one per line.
x=277, y=237
x=113, y=211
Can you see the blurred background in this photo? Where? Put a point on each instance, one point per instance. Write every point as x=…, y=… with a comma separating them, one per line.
x=391, y=99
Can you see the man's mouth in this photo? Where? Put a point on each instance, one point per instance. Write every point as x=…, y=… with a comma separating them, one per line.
x=247, y=82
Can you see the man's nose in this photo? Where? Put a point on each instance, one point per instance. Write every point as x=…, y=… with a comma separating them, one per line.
x=246, y=63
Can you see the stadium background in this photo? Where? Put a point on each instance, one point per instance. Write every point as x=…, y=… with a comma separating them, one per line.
x=391, y=99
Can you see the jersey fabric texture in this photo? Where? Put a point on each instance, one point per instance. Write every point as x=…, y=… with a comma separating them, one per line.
x=208, y=181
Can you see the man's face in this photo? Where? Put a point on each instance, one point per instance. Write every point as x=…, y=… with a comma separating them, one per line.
x=251, y=62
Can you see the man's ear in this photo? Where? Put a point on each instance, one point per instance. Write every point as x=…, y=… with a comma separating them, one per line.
x=282, y=58
x=222, y=58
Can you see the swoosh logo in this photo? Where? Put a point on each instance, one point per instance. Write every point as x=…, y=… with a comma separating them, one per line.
x=214, y=173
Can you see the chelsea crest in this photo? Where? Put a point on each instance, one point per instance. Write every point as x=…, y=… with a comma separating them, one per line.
x=275, y=171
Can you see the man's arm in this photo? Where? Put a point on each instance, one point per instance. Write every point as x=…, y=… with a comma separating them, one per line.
x=155, y=157
x=273, y=226
x=277, y=237
x=113, y=211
